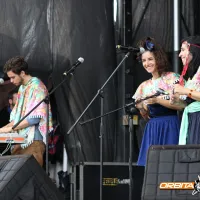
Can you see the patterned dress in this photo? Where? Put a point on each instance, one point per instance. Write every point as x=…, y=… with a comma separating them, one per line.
x=163, y=126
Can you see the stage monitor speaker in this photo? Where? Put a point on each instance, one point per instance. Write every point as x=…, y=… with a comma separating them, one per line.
x=22, y=178
x=116, y=181
x=171, y=172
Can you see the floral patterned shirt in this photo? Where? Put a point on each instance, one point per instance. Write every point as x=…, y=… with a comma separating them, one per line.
x=150, y=87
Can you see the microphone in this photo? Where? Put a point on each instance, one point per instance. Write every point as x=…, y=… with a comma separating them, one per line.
x=132, y=49
x=3, y=78
x=1, y=81
x=161, y=91
x=74, y=66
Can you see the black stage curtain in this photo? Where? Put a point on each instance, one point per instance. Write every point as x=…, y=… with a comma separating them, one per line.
x=84, y=29
x=52, y=35
x=24, y=30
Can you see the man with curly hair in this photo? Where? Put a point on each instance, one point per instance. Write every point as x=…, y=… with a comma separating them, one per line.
x=31, y=92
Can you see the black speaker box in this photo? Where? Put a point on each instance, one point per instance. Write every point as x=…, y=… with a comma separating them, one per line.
x=22, y=178
x=115, y=181
x=170, y=164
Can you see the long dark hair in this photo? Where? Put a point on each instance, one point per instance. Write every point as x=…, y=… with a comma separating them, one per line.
x=195, y=51
x=149, y=44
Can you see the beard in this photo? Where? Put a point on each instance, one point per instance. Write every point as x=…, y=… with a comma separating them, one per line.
x=21, y=81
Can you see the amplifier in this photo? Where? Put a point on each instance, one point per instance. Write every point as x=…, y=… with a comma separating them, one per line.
x=86, y=181
x=171, y=172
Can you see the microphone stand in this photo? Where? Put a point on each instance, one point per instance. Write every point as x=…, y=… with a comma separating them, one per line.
x=108, y=113
x=130, y=122
x=46, y=100
x=131, y=130
x=100, y=94
x=127, y=105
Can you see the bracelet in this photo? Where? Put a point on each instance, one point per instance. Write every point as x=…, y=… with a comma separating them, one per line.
x=190, y=94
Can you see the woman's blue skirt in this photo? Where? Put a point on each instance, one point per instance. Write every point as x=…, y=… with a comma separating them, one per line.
x=163, y=130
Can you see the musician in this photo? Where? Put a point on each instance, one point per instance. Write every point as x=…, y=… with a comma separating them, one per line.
x=31, y=92
x=5, y=116
x=5, y=89
x=163, y=123
x=12, y=98
x=189, y=94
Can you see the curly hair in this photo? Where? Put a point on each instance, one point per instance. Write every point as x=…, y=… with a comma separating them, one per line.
x=16, y=65
x=195, y=51
x=161, y=57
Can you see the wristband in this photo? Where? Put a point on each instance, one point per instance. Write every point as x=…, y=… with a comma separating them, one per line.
x=190, y=94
